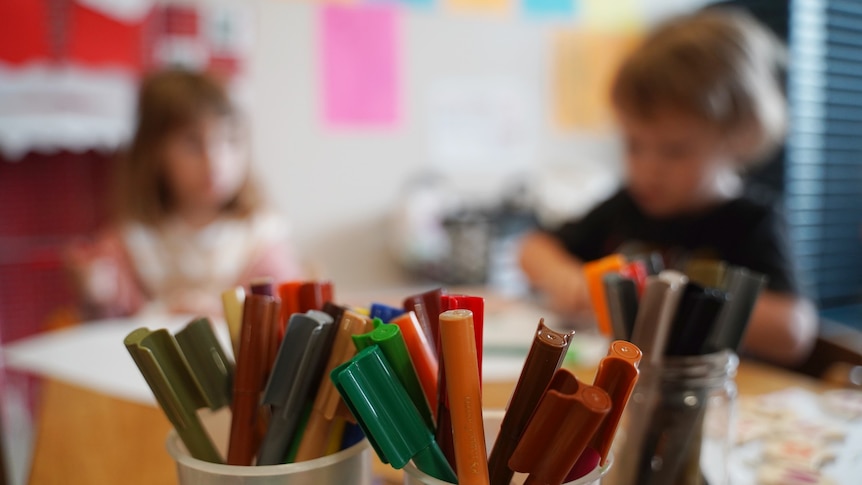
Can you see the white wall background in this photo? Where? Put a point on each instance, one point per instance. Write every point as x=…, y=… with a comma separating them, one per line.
x=338, y=188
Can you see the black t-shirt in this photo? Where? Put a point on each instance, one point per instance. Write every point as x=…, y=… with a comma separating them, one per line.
x=745, y=232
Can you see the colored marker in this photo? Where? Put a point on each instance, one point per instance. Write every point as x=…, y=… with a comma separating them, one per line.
x=476, y=305
x=622, y=295
x=249, y=380
x=388, y=337
x=744, y=287
x=427, y=308
x=160, y=361
x=387, y=415
x=565, y=420
x=328, y=407
x=656, y=313
x=458, y=345
x=545, y=357
x=232, y=302
x=262, y=286
x=300, y=363
x=385, y=313
x=422, y=354
x=706, y=272
x=594, y=272
x=207, y=361
x=289, y=294
x=637, y=272
x=617, y=375
x=695, y=320
x=313, y=294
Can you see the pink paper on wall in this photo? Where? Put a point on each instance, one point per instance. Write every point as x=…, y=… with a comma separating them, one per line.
x=359, y=63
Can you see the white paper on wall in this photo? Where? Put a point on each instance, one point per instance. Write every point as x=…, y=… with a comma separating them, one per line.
x=483, y=125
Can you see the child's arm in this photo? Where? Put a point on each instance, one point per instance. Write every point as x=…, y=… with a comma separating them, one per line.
x=273, y=254
x=275, y=261
x=783, y=328
x=554, y=272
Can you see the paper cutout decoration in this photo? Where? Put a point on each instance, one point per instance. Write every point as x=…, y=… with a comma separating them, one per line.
x=359, y=65
x=615, y=16
x=584, y=65
x=88, y=40
x=421, y=4
x=24, y=31
x=485, y=6
x=547, y=8
x=125, y=10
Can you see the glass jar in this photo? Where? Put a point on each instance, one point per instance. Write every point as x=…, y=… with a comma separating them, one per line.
x=680, y=422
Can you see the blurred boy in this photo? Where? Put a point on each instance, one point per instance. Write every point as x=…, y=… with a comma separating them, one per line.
x=698, y=102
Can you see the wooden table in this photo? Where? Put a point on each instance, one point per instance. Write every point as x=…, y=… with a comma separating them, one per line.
x=89, y=438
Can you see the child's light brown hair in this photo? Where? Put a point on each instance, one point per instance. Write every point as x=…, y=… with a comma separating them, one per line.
x=719, y=65
x=168, y=101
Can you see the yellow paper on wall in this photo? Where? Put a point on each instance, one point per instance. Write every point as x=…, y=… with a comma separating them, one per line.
x=483, y=6
x=584, y=64
x=613, y=15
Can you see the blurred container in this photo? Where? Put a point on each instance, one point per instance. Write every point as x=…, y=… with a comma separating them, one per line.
x=493, y=418
x=350, y=467
x=680, y=422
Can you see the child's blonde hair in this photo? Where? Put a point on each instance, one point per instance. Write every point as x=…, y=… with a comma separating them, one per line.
x=170, y=100
x=719, y=65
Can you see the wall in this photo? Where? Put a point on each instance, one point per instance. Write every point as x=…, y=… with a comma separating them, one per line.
x=338, y=188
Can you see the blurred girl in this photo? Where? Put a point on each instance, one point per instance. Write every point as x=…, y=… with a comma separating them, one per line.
x=189, y=221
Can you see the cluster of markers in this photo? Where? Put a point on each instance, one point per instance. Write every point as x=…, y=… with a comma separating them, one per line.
x=702, y=309
x=312, y=377
x=698, y=317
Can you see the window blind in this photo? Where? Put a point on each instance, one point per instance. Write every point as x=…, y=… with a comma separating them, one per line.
x=823, y=172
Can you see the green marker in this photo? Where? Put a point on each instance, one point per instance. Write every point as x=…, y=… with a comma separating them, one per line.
x=388, y=337
x=177, y=390
x=387, y=415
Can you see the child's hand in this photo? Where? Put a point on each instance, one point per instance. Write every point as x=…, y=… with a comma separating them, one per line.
x=569, y=293
x=94, y=270
x=103, y=277
x=559, y=276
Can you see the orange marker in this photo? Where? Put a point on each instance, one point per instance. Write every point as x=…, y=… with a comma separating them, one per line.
x=594, y=273
x=313, y=294
x=289, y=294
x=422, y=354
x=617, y=375
x=458, y=345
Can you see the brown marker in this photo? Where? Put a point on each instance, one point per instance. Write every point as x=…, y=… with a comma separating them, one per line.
x=249, y=380
x=565, y=421
x=264, y=287
x=427, y=308
x=617, y=375
x=545, y=357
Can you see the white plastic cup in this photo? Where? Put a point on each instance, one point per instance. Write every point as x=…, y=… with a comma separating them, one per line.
x=492, y=419
x=350, y=467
